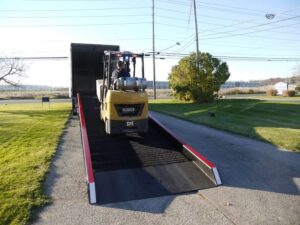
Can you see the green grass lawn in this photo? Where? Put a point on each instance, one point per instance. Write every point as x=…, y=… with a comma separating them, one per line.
x=272, y=121
x=29, y=135
x=297, y=97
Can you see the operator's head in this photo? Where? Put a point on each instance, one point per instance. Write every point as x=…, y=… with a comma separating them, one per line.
x=120, y=65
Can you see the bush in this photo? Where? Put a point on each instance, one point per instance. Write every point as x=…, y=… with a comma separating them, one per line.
x=251, y=91
x=189, y=82
x=271, y=92
x=297, y=88
x=289, y=93
x=235, y=91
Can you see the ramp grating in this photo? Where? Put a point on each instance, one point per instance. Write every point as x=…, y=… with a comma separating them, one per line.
x=124, y=151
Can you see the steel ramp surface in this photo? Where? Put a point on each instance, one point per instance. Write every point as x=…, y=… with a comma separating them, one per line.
x=129, y=166
x=148, y=182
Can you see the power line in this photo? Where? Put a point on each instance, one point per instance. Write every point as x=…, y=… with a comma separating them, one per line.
x=224, y=10
x=190, y=41
x=255, y=26
x=214, y=4
x=36, y=58
x=228, y=57
x=73, y=0
x=179, y=26
x=240, y=58
x=251, y=32
x=214, y=7
x=72, y=10
x=85, y=40
x=222, y=26
x=84, y=16
x=232, y=7
x=171, y=25
x=252, y=47
x=235, y=24
x=268, y=38
x=251, y=21
x=74, y=25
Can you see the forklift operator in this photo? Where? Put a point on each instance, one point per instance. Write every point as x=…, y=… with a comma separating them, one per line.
x=120, y=71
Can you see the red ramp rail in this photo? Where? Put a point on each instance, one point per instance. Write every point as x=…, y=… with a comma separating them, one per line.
x=87, y=153
x=172, y=167
x=204, y=164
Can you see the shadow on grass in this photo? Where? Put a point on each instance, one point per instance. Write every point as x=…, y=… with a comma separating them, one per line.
x=242, y=162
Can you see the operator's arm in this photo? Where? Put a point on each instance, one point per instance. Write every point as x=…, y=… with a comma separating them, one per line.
x=115, y=75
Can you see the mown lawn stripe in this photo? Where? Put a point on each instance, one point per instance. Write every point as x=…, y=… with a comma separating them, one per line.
x=275, y=122
x=29, y=135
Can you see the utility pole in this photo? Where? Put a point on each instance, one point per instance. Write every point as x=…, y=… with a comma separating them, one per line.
x=153, y=51
x=196, y=30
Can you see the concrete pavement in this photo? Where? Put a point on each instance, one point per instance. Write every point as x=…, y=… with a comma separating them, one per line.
x=261, y=185
x=261, y=182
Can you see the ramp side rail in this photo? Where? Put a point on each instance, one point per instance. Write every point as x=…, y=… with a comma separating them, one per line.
x=204, y=164
x=87, y=154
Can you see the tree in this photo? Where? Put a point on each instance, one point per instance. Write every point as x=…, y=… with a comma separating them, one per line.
x=11, y=70
x=198, y=85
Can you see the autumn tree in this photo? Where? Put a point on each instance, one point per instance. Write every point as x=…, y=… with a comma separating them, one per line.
x=198, y=84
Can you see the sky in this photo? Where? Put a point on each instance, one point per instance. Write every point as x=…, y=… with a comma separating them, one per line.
x=226, y=29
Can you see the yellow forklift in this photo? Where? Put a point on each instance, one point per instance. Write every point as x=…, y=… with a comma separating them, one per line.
x=124, y=101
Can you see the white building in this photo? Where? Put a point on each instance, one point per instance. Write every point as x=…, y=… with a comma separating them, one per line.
x=281, y=87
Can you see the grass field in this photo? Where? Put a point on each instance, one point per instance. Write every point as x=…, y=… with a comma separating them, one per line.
x=264, y=97
x=272, y=121
x=33, y=94
x=29, y=135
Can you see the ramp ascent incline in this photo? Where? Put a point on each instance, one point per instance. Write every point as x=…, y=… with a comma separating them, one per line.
x=132, y=166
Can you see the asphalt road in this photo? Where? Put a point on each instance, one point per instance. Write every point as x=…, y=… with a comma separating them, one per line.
x=261, y=185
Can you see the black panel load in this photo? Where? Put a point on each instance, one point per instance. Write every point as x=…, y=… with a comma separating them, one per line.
x=87, y=66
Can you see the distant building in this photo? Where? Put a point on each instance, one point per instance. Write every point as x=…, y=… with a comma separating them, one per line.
x=159, y=85
x=238, y=84
x=281, y=87
x=30, y=88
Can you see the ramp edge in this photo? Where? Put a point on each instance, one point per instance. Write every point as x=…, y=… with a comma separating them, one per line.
x=87, y=154
x=202, y=162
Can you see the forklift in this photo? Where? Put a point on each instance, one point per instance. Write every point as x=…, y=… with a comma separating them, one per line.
x=123, y=101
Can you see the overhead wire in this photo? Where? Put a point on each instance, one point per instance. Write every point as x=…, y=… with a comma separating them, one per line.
x=213, y=4
x=189, y=40
x=73, y=16
x=244, y=58
x=235, y=24
x=213, y=8
x=74, y=9
x=254, y=26
x=75, y=25
x=170, y=54
x=250, y=32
